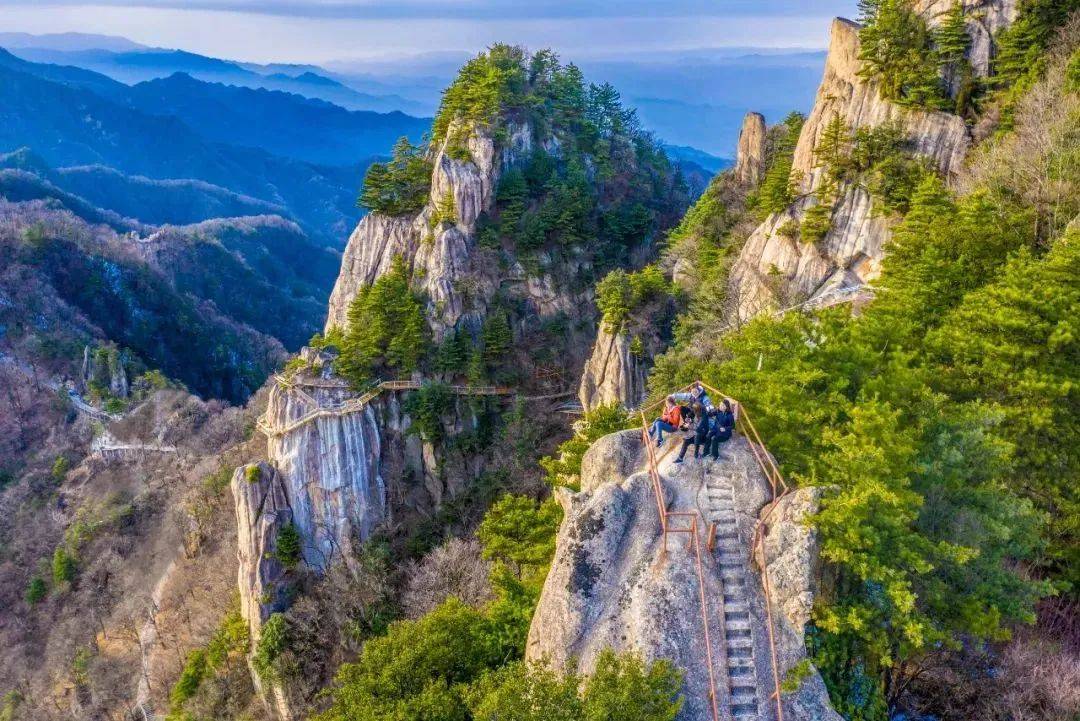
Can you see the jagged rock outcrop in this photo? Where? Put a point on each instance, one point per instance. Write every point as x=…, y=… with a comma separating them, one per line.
x=774, y=267
x=750, y=156
x=611, y=585
x=439, y=255
x=329, y=466
x=262, y=510
x=613, y=374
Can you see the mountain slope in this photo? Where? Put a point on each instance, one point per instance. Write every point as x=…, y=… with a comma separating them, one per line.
x=280, y=123
x=72, y=126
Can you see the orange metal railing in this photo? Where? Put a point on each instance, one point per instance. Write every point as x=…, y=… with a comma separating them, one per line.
x=779, y=488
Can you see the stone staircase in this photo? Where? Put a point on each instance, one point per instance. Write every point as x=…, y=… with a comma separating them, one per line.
x=731, y=556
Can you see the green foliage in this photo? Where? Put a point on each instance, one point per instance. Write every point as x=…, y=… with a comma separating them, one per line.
x=60, y=468
x=620, y=294
x=609, y=190
x=272, y=643
x=399, y=186
x=620, y=689
x=192, y=674
x=564, y=467
x=9, y=705
x=36, y=590
x=778, y=185
x=426, y=407
x=1021, y=46
x=445, y=211
x=795, y=676
x=287, y=548
x=225, y=649
x=253, y=473
x=1072, y=73
x=64, y=566
x=387, y=330
x=896, y=48
x=519, y=531
x=496, y=337
x=418, y=669
x=452, y=355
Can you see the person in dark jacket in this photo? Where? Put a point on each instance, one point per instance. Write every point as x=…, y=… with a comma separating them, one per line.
x=721, y=424
x=700, y=435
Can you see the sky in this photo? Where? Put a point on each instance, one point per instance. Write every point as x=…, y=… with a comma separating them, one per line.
x=320, y=31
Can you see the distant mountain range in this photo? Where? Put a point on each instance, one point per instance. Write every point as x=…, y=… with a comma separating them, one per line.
x=304, y=157
x=695, y=98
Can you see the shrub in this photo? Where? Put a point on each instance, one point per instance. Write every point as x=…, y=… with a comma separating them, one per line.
x=63, y=566
x=191, y=676
x=60, y=468
x=520, y=531
x=564, y=467
x=35, y=590
x=272, y=643
x=253, y=473
x=619, y=294
x=287, y=548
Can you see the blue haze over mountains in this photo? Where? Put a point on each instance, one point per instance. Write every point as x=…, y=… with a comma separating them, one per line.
x=239, y=181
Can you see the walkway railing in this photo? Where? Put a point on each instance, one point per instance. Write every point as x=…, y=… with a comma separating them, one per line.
x=778, y=488
x=358, y=404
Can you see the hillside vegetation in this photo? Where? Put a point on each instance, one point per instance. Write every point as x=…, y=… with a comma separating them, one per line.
x=943, y=416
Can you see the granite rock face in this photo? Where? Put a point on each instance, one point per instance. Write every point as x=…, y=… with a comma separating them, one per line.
x=750, y=157
x=613, y=585
x=329, y=468
x=612, y=374
x=774, y=268
x=438, y=254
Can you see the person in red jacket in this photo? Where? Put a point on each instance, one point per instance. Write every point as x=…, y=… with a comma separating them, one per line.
x=669, y=421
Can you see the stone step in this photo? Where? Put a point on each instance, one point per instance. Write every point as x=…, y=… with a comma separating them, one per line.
x=730, y=598
x=726, y=564
x=734, y=577
x=743, y=690
x=743, y=710
x=726, y=535
x=740, y=671
x=736, y=615
x=737, y=633
x=740, y=651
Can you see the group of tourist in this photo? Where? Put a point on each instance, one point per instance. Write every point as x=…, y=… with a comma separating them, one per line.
x=706, y=425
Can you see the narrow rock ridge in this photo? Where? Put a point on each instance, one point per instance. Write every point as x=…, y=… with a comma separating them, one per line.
x=611, y=585
x=774, y=269
x=612, y=374
x=439, y=256
x=750, y=157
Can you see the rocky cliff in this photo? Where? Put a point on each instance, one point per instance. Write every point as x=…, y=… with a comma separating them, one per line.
x=612, y=584
x=750, y=157
x=774, y=267
x=438, y=254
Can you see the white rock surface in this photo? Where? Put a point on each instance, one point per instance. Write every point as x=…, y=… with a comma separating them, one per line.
x=612, y=374
x=611, y=584
x=329, y=469
x=750, y=156
x=853, y=249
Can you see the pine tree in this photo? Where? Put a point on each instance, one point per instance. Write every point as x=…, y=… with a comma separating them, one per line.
x=833, y=150
x=497, y=338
